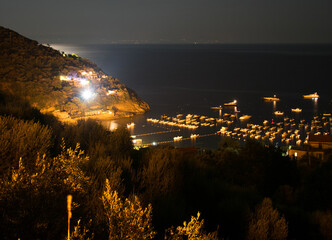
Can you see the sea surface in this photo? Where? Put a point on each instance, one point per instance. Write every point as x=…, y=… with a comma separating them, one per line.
x=190, y=79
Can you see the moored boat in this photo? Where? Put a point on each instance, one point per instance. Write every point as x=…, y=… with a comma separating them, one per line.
x=271, y=99
x=278, y=113
x=194, y=135
x=245, y=117
x=130, y=125
x=231, y=103
x=178, y=138
x=313, y=96
x=217, y=108
x=297, y=110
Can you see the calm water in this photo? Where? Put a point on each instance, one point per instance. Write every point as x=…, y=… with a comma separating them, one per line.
x=186, y=79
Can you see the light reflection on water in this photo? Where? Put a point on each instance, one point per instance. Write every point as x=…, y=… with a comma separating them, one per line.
x=315, y=100
x=274, y=106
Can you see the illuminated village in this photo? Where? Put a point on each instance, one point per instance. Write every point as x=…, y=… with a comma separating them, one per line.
x=89, y=85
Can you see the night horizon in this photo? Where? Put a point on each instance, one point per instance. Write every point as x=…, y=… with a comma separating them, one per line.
x=237, y=22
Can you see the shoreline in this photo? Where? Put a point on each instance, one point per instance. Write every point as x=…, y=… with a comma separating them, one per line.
x=99, y=117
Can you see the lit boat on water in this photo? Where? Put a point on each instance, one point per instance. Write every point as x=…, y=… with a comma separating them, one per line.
x=194, y=135
x=296, y=110
x=313, y=96
x=217, y=108
x=130, y=125
x=178, y=138
x=271, y=99
x=245, y=117
x=223, y=130
x=278, y=113
x=231, y=103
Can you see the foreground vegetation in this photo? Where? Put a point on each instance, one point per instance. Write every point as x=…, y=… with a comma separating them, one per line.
x=241, y=192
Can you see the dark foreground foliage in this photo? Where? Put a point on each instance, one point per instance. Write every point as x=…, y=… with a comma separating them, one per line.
x=241, y=192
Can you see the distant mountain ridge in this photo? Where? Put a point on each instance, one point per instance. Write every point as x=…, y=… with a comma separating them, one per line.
x=56, y=82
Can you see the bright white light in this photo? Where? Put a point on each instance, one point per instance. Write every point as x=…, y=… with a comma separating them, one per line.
x=154, y=143
x=110, y=92
x=87, y=94
x=84, y=82
x=64, y=78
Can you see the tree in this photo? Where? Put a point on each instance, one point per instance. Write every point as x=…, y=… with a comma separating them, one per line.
x=127, y=219
x=160, y=173
x=25, y=139
x=31, y=203
x=267, y=224
x=324, y=220
x=192, y=230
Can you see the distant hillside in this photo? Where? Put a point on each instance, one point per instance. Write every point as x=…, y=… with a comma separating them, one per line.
x=53, y=81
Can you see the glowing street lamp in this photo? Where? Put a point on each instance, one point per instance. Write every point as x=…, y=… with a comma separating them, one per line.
x=87, y=94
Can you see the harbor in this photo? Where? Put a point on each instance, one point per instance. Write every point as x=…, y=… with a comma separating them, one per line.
x=280, y=127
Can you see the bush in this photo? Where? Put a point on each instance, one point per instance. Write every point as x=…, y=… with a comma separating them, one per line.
x=22, y=139
x=267, y=224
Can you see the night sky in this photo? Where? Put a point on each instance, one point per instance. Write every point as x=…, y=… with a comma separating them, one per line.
x=170, y=21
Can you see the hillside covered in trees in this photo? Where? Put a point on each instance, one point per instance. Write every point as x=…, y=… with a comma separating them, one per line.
x=238, y=191
x=55, y=82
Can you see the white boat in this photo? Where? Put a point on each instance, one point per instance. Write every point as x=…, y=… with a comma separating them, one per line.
x=231, y=103
x=278, y=113
x=178, y=138
x=271, y=99
x=130, y=125
x=194, y=135
x=313, y=95
x=223, y=130
x=297, y=110
x=217, y=108
x=245, y=117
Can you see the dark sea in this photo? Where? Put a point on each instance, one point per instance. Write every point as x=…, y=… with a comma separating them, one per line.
x=190, y=79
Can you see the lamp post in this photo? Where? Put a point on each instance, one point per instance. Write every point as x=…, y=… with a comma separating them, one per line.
x=69, y=199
